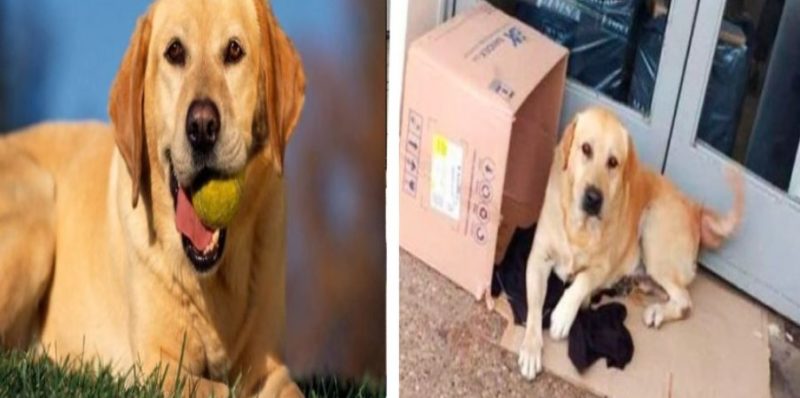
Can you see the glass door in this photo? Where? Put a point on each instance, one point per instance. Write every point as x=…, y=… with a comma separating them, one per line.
x=740, y=105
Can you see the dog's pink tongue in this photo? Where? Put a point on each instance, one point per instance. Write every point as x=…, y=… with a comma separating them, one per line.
x=189, y=224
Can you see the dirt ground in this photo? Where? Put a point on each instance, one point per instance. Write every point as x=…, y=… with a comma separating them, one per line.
x=448, y=344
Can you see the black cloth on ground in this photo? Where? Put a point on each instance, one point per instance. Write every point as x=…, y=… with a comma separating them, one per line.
x=597, y=332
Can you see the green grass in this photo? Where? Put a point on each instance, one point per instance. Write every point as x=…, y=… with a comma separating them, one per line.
x=30, y=375
x=320, y=386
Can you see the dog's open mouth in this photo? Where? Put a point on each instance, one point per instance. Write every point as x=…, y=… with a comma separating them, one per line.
x=203, y=245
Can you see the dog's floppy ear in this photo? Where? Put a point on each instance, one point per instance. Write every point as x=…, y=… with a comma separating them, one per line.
x=126, y=105
x=631, y=159
x=282, y=86
x=565, y=146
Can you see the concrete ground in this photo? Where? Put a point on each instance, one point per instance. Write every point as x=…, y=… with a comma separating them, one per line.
x=448, y=346
x=784, y=362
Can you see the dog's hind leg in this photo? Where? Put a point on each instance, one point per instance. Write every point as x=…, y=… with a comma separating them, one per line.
x=669, y=248
x=27, y=245
x=676, y=307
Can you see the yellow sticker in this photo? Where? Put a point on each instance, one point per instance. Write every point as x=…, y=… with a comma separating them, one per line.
x=439, y=145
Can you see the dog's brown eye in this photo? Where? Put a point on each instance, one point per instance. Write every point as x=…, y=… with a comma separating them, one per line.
x=587, y=150
x=175, y=54
x=233, y=53
x=612, y=162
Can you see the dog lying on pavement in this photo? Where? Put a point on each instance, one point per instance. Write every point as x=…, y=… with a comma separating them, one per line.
x=603, y=212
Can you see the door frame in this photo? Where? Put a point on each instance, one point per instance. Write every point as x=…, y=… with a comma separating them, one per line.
x=761, y=257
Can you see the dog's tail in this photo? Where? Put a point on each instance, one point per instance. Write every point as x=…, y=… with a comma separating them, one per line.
x=716, y=228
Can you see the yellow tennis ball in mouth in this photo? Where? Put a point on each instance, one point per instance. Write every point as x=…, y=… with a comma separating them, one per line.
x=217, y=201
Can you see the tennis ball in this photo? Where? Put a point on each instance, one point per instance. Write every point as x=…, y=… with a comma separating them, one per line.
x=217, y=201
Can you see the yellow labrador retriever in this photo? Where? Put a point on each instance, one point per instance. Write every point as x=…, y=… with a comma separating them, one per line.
x=101, y=255
x=604, y=211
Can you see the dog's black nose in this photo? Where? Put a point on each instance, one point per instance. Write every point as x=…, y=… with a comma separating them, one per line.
x=202, y=125
x=592, y=200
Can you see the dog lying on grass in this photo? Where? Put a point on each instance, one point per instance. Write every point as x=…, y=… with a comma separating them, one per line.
x=102, y=253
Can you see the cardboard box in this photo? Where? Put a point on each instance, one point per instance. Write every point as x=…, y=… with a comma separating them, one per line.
x=482, y=99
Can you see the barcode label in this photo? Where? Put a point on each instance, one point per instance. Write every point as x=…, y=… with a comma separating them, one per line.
x=446, y=164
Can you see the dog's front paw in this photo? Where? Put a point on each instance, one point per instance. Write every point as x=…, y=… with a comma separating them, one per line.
x=654, y=315
x=561, y=320
x=530, y=357
x=279, y=384
x=291, y=391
